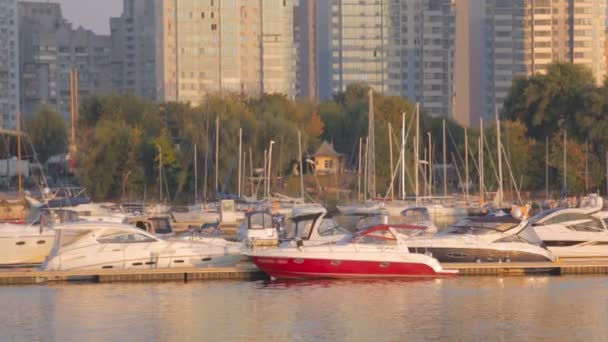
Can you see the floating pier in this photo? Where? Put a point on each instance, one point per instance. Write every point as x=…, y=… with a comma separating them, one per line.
x=247, y=272
x=33, y=276
x=561, y=267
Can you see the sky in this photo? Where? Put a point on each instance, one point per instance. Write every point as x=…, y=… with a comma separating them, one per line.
x=91, y=14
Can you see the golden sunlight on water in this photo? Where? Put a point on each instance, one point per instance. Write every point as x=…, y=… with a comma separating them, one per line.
x=485, y=308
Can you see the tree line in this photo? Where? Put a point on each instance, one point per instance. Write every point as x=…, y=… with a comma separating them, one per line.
x=125, y=141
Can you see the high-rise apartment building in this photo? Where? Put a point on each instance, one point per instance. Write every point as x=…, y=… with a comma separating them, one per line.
x=305, y=38
x=134, y=49
x=242, y=46
x=402, y=48
x=469, y=61
x=524, y=36
x=9, y=64
x=49, y=49
x=359, y=41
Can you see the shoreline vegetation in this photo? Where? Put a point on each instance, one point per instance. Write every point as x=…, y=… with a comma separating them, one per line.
x=124, y=142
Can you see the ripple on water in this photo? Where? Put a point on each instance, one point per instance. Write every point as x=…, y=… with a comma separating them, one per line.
x=389, y=310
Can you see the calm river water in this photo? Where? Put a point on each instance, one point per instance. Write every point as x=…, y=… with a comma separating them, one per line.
x=484, y=308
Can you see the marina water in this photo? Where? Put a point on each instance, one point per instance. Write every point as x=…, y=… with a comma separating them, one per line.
x=477, y=308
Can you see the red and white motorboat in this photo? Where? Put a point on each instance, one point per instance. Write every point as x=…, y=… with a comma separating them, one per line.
x=377, y=252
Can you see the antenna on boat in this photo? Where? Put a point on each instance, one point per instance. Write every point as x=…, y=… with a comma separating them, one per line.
x=565, y=163
x=390, y=152
x=371, y=146
x=499, y=149
x=20, y=180
x=402, y=156
x=300, y=163
x=240, y=159
x=445, y=171
x=466, y=165
x=417, y=152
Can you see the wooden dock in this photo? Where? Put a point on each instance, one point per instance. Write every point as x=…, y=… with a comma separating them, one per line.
x=247, y=272
x=33, y=276
x=561, y=267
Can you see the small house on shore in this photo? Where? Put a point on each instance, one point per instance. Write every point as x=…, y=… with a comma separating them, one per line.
x=327, y=160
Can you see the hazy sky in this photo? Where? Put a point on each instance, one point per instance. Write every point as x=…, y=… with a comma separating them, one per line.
x=91, y=14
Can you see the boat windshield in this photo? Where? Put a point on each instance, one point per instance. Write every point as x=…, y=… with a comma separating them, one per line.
x=370, y=221
x=543, y=214
x=260, y=221
x=301, y=226
x=530, y=236
x=123, y=237
x=329, y=227
x=375, y=237
x=416, y=215
x=161, y=226
x=480, y=227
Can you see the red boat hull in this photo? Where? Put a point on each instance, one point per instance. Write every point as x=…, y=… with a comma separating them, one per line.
x=294, y=268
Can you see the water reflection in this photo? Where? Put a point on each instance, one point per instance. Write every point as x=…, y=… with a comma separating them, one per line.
x=510, y=308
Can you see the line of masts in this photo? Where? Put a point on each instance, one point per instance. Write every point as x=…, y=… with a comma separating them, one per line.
x=366, y=163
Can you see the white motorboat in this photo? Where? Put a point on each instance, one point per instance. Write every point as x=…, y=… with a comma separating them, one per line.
x=259, y=229
x=99, y=245
x=484, y=239
x=22, y=244
x=574, y=232
x=310, y=224
x=32, y=241
x=377, y=252
x=416, y=218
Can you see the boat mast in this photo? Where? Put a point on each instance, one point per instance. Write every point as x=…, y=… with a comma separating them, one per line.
x=466, y=164
x=445, y=172
x=240, y=160
x=481, y=173
x=390, y=153
x=20, y=180
x=586, y=165
x=251, y=169
x=365, y=169
x=160, y=173
x=359, y=173
x=371, y=146
x=195, y=177
x=403, y=156
x=565, y=163
x=499, y=149
x=430, y=165
x=547, y=167
x=269, y=175
x=217, y=154
x=301, y=169
x=417, y=152
x=479, y=169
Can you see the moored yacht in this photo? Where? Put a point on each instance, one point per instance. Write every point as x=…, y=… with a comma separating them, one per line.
x=574, y=232
x=100, y=245
x=311, y=225
x=377, y=252
x=492, y=238
x=31, y=242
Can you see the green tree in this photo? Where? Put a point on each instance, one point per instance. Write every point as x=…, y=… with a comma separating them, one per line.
x=48, y=132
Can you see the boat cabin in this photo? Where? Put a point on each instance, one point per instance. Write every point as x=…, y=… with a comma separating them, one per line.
x=157, y=225
x=259, y=229
x=314, y=226
x=381, y=235
x=519, y=231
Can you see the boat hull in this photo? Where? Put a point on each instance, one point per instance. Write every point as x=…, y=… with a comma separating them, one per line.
x=25, y=248
x=446, y=254
x=301, y=268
